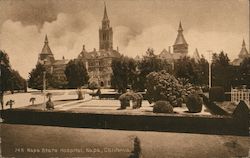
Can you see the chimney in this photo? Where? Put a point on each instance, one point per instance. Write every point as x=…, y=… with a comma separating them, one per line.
x=117, y=49
x=83, y=47
x=169, y=49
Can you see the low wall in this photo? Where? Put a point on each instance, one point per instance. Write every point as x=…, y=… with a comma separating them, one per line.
x=155, y=122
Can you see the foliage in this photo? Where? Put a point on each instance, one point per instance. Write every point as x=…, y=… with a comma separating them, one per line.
x=93, y=86
x=36, y=77
x=150, y=63
x=216, y=94
x=60, y=83
x=10, y=103
x=194, y=103
x=220, y=63
x=9, y=78
x=164, y=86
x=135, y=97
x=76, y=73
x=124, y=71
x=242, y=74
x=194, y=72
x=162, y=107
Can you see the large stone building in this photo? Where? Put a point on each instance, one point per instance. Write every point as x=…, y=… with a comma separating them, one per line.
x=53, y=66
x=242, y=55
x=98, y=62
x=180, y=48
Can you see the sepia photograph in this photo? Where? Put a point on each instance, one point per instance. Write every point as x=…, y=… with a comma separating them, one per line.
x=124, y=78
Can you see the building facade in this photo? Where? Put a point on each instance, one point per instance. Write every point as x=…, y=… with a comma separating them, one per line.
x=53, y=66
x=180, y=48
x=98, y=62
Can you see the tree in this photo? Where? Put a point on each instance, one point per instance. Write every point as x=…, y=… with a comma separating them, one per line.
x=9, y=79
x=242, y=75
x=76, y=73
x=36, y=77
x=222, y=71
x=5, y=72
x=185, y=68
x=150, y=63
x=124, y=70
x=18, y=83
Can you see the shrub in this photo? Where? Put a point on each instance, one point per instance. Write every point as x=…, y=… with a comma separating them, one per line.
x=164, y=86
x=217, y=94
x=162, y=107
x=194, y=103
x=135, y=97
x=93, y=85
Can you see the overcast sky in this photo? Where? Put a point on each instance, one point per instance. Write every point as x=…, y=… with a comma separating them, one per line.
x=137, y=24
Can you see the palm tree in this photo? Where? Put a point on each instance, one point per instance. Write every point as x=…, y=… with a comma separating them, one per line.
x=32, y=100
x=10, y=103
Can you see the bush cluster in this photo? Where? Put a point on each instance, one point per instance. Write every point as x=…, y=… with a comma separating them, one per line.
x=162, y=107
x=164, y=86
x=194, y=103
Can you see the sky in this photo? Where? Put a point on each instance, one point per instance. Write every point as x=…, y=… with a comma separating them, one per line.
x=137, y=25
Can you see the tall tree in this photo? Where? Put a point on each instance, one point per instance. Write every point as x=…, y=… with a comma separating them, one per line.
x=124, y=71
x=76, y=73
x=222, y=71
x=36, y=77
x=185, y=68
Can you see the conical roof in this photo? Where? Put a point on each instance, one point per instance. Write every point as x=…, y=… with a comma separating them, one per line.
x=180, y=38
x=46, y=49
x=243, y=52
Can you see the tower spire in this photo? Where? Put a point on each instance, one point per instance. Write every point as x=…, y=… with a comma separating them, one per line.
x=243, y=43
x=105, y=15
x=46, y=39
x=180, y=27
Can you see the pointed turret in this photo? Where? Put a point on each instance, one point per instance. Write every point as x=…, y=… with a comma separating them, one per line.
x=180, y=46
x=46, y=49
x=180, y=27
x=46, y=56
x=180, y=38
x=243, y=53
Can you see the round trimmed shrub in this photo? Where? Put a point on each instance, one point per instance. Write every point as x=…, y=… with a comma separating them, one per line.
x=194, y=103
x=162, y=107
